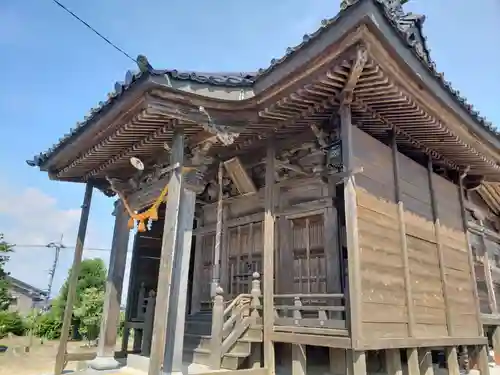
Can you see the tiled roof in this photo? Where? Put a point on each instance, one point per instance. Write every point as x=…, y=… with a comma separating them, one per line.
x=408, y=26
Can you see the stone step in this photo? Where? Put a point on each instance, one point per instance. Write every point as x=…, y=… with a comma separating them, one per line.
x=198, y=327
x=192, y=342
x=230, y=361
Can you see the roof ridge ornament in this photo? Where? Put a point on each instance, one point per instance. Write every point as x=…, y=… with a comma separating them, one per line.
x=143, y=64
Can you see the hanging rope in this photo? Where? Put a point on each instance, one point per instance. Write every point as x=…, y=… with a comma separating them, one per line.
x=151, y=213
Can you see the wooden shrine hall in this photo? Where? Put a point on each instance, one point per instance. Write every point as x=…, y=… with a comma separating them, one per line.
x=313, y=216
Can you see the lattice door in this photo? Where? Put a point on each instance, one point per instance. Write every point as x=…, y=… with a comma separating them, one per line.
x=245, y=257
x=308, y=246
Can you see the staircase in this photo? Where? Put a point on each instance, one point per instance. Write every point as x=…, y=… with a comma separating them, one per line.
x=237, y=332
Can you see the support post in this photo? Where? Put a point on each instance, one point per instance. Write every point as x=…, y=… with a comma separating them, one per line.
x=105, y=359
x=338, y=365
x=197, y=271
x=169, y=243
x=452, y=361
x=130, y=292
x=437, y=232
x=351, y=224
x=425, y=357
x=469, y=254
x=299, y=359
x=218, y=237
x=413, y=364
x=73, y=279
x=393, y=362
x=176, y=317
x=495, y=338
x=268, y=261
x=402, y=236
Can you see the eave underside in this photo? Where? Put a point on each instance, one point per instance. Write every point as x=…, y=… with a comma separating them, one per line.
x=379, y=105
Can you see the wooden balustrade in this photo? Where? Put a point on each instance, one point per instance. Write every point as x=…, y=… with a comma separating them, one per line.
x=310, y=313
x=230, y=323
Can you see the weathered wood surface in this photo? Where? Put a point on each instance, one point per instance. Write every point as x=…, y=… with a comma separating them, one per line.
x=382, y=264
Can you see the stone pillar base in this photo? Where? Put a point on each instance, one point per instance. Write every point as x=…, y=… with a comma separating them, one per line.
x=104, y=364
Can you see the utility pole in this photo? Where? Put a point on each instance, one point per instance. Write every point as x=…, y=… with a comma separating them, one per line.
x=57, y=246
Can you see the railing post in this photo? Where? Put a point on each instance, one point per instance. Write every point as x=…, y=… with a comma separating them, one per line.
x=217, y=324
x=256, y=294
x=147, y=335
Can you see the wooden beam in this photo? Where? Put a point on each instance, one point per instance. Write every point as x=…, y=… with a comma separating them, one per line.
x=268, y=260
x=402, y=236
x=112, y=299
x=469, y=254
x=73, y=280
x=351, y=224
x=356, y=69
x=169, y=243
x=437, y=231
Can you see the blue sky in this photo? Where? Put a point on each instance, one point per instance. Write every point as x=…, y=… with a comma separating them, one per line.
x=53, y=70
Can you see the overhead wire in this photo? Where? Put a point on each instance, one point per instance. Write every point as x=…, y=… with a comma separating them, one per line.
x=86, y=24
x=66, y=247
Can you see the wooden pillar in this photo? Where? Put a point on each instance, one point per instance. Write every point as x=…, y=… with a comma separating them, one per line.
x=169, y=244
x=130, y=293
x=495, y=338
x=286, y=281
x=437, y=231
x=268, y=259
x=338, y=363
x=197, y=270
x=469, y=255
x=218, y=235
x=393, y=362
x=73, y=279
x=112, y=299
x=492, y=301
x=357, y=362
x=413, y=363
x=425, y=358
x=331, y=240
x=479, y=358
x=452, y=361
x=351, y=224
x=402, y=236
x=299, y=359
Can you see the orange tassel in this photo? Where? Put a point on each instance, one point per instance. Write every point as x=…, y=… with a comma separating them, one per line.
x=130, y=223
x=142, y=226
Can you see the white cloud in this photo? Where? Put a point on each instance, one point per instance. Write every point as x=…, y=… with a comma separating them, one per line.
x=31, y=217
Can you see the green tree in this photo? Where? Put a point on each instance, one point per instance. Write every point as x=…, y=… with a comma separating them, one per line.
x=5, y=297
x=90, y=313
x=92, y=275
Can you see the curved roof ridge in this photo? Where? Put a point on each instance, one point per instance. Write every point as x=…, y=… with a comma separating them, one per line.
x=407, y=25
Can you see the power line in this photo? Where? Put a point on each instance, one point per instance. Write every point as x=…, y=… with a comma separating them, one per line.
x=94, y=31
x=64, y=247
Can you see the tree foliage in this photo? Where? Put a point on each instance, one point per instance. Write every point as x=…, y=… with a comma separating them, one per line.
x=5, y=297
x=90, y=312
x=92, y=275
